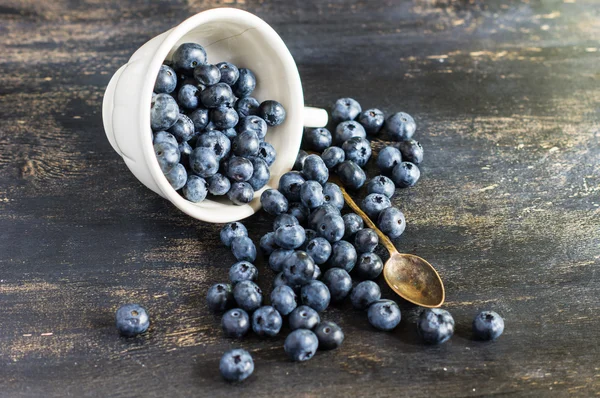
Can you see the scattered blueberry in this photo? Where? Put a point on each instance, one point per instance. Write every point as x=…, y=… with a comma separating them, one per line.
x=311, y=194
x=352, y=224
x=435, y=326
x=272, y=112
x=267, y=243
x=284, y=219
x=298, y=268
x=290, y=184
x=218, y=185
x=235, y=323
x=242, y=271
x=488, y=325
x=343, y=255
x=319, y=249
x=236, y=365
x=219, y=298
x=332, y=194
x=231, y=231
x=301, y=345
x=246, y=106
x=364, y=294
x=366, y=240
x=339, y=283
x=351, y=175
x=333, y=156
x=266, y=321
x=314, y=169
x=245, y=84
x=207, y=74
x=358, y=150
x=315, y=294
x=391, y=222
x=195, y=189
x=346, y=130
x=204, y=162
x=278, y=258
x=300, y=158
x=388, y=158
x=228, y=72
x=274, y=202
x=316, y=216
x=187, y=57
x=304, y=317
x=318, y=139
x=132, y=319
x=400, y=126
x=369, y=266
x=247, y=295
x=381, y=185
x=289, y=236
x=405, y=175
x=299, y=211
x=218, y=95
x=283, y=299
x=372, y=120
x=164, y=112
x=166, y=80
x=331, y=227
x=167, y=155
x=374, y=203
x=384, y=315
x=345, y=109
x=177, y=177
x=330, y=335
x=412, y=151
x=243, y=249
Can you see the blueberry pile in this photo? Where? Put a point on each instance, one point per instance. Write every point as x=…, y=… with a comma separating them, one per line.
x=208, y=132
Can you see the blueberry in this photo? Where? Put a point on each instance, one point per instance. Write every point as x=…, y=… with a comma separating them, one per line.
x=488, y=325
x=167, y=155
x=183, y=79
x=219, y=297
x=381, y=185
x=132, y=319
x=187, y=57
x=391, y=222
x=195, y=189
x=310, y=235
x=166, y=81
x=343, y=255
x=374, y=203
x=435, y=326
x=266, y=321
x=241, y=193
x=177, y=177
x=304, y=317
x=243, y=249
x=260, y=175
x=317, y=139
x=239, y=169
x=188, y=97
x=247, y=295
x=183, y=129
x=274, y=202
x=388, y=158
x=218, y=95
x=317, y=273
x=235, y=323
x=224, y=117
x=358, y=150
x=272, y=112
x=384, y=315
x=289, y=236
x=278, y=258
x=207, y=74
x=372, y=120
x=345, y=109
x=317, y=215
x=204, y=162
x=405, y=175
x=366, y=240
x=236, y=365
x=200, y=118
x=290, y=184
x=216, y=141
x=330, y=335
x=246, y=144
x=267, y=243
x=315, y=294
x=283, y=220
x=299, y=211
x=228, y=72
x=352, y=224
x=299, y=163
x=242, y=271
x=164, y=112
x=280, y=280
x=219, y=185
x=230, y=133
x=163, y=136
x=231, y=231
x=400, y=126
x=301, y=345
x=412, y=151
x=351, y=175
x=283, y=299
x=364, y=294
x=314, y=169
x=333, y=156
x=247, y=106
x=255, y=124
x=346, y=130
x=267, y=153
x=332, y=194
x=311, y=194
x=298, y=268
x=339, y=283
x=368, y=266
x=245, y=84
x=185, y=150
x=319, y=249
x=331, y=227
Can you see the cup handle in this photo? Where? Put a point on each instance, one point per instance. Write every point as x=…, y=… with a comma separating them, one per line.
x=315, y=117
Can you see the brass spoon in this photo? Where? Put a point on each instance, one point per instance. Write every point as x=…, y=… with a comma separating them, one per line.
x=410, y=276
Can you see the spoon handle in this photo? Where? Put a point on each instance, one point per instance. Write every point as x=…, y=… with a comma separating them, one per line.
x=382, y=237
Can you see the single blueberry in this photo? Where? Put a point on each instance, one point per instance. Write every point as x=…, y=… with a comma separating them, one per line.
x=391, y=222
x=185, y=151
x=405, y=175
x=241, y=193
x=247, y=295
x=245, y=83
x=239, y=169
x=364, y=294
x=164, y=112
x=267, y=153
x=299, y=163
x=384, y=315
x=247, y=106
x=319, y=249
x=235, y=323
x=132, y=319
x=311, y=194
x=301, y=345
x=317, y=273
x=163, y=136
x=316, y=216
x=187, y=57
x=315, y=294
x=333, y=156
x=272, y=112
x=278, y=258
x=368, y=266
x=374, y=203
x=314, y=169
x=183, y=129
x=435, y=326
x=243, y=249
x=266, y=321
x=290, y=184
x=283, y=299
x=167, y=156
x=267, y=243
x=236, y=365
x=358, y=150
x=289, y=236
x=229, y=73
x=400, y=126
x=298, y=268
x=351, y=175
x=216, y=141
x=346, y=130
x=207, y=74
x=224, y=117
x=488, y=325
x=345, y=109
x=283, y=220
x=166, y=81
x=366, y=240
x=332, y=194
x=299, y=211
x=231, y=231
x=381, y=185
x=188, y=97
x=331, y=227
x=177, y=177
x=372, y=120
x=218, y=95
x=246, y=144
x=260, y=174
x=352, y=223
x=343, y=255
x=204, y=162
x=255, y=124
x=412, y=151
x=218, y=185
x=304, y=317
x=330, y=335
x=219, y=297
x=317, y=139
x=242, y=271
x=338, y=282
x=195, y=189
x=273, y=202
x=200, y=119
x=388, y=158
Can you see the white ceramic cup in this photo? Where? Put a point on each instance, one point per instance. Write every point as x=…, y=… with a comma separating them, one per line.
x=230, y=35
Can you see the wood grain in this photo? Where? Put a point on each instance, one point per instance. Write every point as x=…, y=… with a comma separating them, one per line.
x=506, y=95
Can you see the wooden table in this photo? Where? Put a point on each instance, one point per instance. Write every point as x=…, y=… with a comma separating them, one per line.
x=507, y=101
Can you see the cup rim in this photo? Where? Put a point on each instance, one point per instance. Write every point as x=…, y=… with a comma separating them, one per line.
x=207, y=211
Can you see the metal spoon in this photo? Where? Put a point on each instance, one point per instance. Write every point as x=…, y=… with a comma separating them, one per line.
x=410, y=276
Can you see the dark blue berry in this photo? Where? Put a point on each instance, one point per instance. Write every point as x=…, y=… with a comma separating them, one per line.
x=254, y=124
x=216, y=142
x=235, y=323
x=405, y=175
x=177, y=177
x=236, y=365
x=164, y=136
x=278, y=258
x=388, y=158
x=188, y=97
x=200, y=119
x=331, y=227
x=298, y=268
x=266, y=321
x=364, y=294
x=167, y=155
x=301, y=345
x=283, y=220
x=241, y=193
x=267, y=243
x=274, y=202
x=283, y=299
x=195, y=189
x=229, y=73
x=358, y=150
x=224, y=117
x=339, y=283
x=435, y=326
x=230, y=133
x=207, y=74
x=310, y=235
x=289, y=236
x=330, y=335
x=368, y=266
x=366, y=240
x=246, y=106
x=247, y=295
x=267, y=153
x=218, y=95
x=343, y=255
x=243, y=249
x=333, y=156
x=315, y=294
x=352, y=224
x=345, y=109
x=187, y=57
x=346, y=130
x=319, y=249
x=299, y=163
x=132, y=319
x=488, y=325
x=372, y=120
x=242, y=271
x=246, y=144
x=260, y=174
x=400, y=126
x=304, y=317
x=185, y=151
x=245, y=84
x=314, y=169
x=239, y=169
x=316, y=216
x=391, y=222
x=384, y=315
x=231, y=231
x=317, y=139
x=317, y=273
x=272, y=112
x=164, y=112
x=219, y=297
x=183, y=129
x=412, y=151
x=280, y=280
x=166, y=80
x=381, y=185
x=332, y=194
x=204, y=162
x=311, y=194
x=290, y=184
x=218, y=185
x=299, y=211
x=374, y=203
x=351, y=175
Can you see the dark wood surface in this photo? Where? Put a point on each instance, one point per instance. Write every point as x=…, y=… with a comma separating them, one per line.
x=507, y=100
